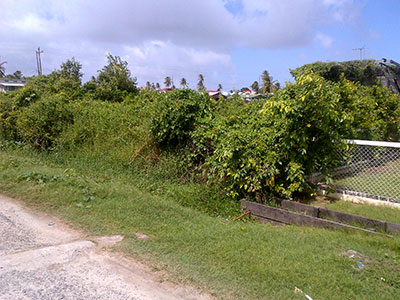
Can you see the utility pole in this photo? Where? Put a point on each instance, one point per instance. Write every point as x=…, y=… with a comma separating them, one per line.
x=39, y=61
x=361, y=50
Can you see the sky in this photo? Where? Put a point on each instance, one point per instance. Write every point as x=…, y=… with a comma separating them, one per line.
x=230, y=42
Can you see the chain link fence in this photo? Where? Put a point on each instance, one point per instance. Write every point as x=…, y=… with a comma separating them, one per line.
x=370, y=170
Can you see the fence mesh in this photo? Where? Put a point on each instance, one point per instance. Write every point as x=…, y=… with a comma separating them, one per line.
x=371, y=171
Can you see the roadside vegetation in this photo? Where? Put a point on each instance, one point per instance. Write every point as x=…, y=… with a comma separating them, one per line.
x=113, y=159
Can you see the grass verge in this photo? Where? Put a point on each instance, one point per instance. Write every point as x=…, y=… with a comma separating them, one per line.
x=192, y=238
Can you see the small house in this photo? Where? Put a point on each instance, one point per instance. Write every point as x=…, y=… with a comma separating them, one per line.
x=9, y=85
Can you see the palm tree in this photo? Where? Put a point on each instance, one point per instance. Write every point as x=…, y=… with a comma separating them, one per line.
x=255, y=87
x=200, y=84
x=219, y=87
x=2, y=69
x=183, y=83
x=266, y=82
x=18, y=74
x=168, y=81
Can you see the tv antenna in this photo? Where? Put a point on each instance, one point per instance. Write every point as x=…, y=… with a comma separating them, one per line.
x=361, y=51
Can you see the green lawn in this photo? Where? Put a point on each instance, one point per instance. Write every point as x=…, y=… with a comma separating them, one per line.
x=192, y=238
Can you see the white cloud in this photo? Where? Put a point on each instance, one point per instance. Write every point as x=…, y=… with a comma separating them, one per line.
x=166, y=34
x=154, y=60
x=325, y=40
x=197, y=23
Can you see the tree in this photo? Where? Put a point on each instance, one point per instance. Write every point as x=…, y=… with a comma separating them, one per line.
x=114, y=80
x=266, y=82
x=219, y=87
x=158, y=86
x=116, y=73
x=148, y=85
x=255, y=87
x=183, y=83
x=168, y=81
x=18, y=75
x=200, y=84
x=71, y=69
x=2, y=69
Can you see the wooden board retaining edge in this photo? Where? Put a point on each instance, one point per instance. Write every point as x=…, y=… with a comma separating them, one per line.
x=351, y=219
x=392, y=228
x=300, y=207
x=288, y=217
x=342, y=217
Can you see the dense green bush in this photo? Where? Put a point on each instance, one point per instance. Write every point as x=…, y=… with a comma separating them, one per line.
x=41, y=123
x=10, y=107
x=256, y=150
x=99, y=122
x=176, y=114
x=374, y=111
x=268, y=149
x=7, y=120
x=363, y=71
x=113, y=83
x=385, y=114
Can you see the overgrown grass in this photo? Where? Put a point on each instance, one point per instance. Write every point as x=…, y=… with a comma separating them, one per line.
x=192, y=238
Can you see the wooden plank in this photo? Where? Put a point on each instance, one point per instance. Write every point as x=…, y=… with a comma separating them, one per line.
x=341, y=217
x=392, y=228
x=287, y=217
x=351, y=219
x=300, y=207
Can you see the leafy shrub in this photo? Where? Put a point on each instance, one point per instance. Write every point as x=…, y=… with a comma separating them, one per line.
x=7, y=119
x=257, y=149
x=10, y=107
x=113, y=83
x=385, y=113
x=41, y=123
x=116, y=131
x=364, y=71
x=269, y=149
x=176, y=114
x=25, y=97
x=101, y=123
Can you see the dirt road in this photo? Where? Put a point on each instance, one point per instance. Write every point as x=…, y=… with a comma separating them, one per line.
x=40, y=258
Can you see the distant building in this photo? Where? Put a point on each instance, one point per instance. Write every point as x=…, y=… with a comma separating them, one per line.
x=217, y=94
x=9, y=85
x=166, y=90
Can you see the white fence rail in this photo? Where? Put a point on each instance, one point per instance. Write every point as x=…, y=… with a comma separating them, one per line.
x=370, y=169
